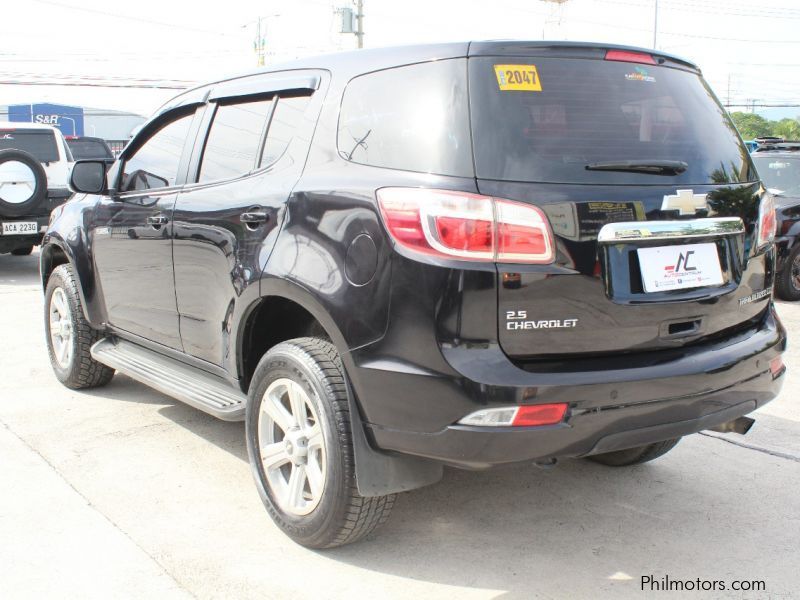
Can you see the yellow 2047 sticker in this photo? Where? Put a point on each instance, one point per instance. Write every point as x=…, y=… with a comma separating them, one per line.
x=523, y=78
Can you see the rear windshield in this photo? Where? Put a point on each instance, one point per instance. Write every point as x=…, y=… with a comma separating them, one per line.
x=41, y=144
x=781, y=174
x=547, y=124
x=88, y=149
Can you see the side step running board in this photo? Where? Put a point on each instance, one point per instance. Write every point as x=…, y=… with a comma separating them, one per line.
x=183, y=382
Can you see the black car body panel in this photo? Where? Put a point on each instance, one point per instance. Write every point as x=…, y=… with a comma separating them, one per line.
x=424, y=342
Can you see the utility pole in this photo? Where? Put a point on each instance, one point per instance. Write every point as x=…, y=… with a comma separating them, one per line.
x=259, y=44
x=360, y=23
x=728, y=97
x=655, y=27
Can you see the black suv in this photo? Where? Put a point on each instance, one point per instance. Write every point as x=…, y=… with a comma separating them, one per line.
x=778, y=165
x=393, y=260
x=85, y=148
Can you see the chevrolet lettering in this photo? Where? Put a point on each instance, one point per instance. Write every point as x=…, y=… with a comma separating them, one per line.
x=394, y=260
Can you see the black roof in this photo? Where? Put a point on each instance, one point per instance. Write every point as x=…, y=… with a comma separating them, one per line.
x=373, y=59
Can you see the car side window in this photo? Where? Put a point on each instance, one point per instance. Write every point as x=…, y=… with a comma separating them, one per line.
x=414, y=118
x=285, y=121
x=155, y=164
x=234, y=139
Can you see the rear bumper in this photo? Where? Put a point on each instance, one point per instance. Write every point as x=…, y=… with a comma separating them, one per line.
x=41, y=214
x=12, y=242
x=609, y=410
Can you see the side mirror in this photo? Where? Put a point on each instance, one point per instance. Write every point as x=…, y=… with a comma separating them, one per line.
x=89, y=177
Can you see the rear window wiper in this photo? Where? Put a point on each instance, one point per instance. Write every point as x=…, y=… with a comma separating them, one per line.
x=653, y=167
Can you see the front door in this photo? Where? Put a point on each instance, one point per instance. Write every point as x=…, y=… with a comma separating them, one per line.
x=132, y=235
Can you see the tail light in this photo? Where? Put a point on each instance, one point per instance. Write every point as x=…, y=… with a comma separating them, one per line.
x=464, y=226
x=529, y=415
x=776, y=367
x=766, y=221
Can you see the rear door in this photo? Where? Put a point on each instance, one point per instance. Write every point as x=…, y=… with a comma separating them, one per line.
x=595, y=142
x=248, y=157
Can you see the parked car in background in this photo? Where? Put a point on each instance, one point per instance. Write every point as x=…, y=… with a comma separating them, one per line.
x=35, y=164
x=778, y=164
x=391, y=260
x=87, y=148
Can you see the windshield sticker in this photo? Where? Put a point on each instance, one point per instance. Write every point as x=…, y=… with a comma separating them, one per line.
x=640, y=74
x=518, y=78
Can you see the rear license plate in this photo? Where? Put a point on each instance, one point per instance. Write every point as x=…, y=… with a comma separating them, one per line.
x=679, y=267
x=20, y=228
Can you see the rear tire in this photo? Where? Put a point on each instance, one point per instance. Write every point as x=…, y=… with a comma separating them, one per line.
x=787, y=282
x=634, y=456
x=69, y=335
x=298, y=421
x=25, y=251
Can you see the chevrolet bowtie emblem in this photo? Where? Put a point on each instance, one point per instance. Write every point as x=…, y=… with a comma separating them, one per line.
x=686, y=202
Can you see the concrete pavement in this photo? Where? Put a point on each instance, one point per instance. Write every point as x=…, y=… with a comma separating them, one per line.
x=122, y=492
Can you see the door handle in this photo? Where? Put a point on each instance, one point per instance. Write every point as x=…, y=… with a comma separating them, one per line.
x=254, y=217
x=158, y=220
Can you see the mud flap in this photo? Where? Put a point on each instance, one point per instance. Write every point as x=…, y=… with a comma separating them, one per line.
x=378, y=473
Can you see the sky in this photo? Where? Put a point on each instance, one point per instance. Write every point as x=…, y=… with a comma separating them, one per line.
x=748, y=51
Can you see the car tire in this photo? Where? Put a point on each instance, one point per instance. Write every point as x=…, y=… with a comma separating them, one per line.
x=35, y=181
x=24, y=251
x=298, y=423
x=69, y=335
x=787, y=282
x=634, y=456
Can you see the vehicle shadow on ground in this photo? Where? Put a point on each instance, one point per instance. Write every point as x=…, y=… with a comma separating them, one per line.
x=228, y=436
x=511, y=529
x=519, y=529
x=18, y=271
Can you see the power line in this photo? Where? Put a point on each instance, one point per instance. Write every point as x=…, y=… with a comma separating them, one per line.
x=97, y=85
x=711, y=8
x=758, y=105
x=131, y=18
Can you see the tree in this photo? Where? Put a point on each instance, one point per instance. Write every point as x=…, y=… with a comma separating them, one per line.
x=788, y=129
x=751, y=125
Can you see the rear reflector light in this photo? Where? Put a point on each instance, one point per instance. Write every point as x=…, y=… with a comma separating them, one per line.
x=766, y=221
x=466, y=226
x=539, y=414
x=531, y=415
x=626, y=56
x=776, y=366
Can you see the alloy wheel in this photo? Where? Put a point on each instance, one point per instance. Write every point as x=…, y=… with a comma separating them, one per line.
x=292, y=447
x=61, y=329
